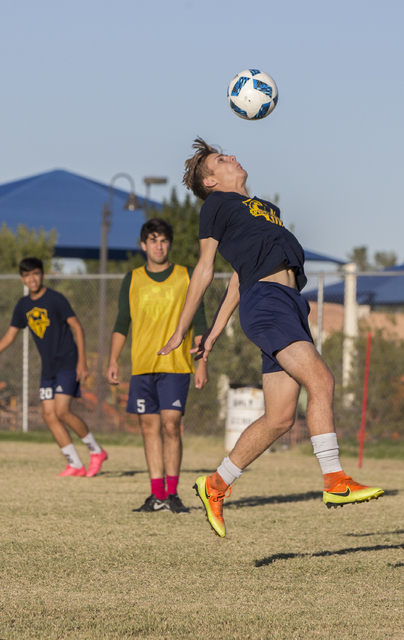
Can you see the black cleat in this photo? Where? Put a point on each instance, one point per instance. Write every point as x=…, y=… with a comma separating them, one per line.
x=153, y=504
x=175, y=504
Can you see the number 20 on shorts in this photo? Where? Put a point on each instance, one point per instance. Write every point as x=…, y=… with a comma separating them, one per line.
x=45, y=393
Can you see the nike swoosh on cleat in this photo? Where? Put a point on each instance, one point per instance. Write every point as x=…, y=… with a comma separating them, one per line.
x=157, y=507
x=206, y=493
x=343, y=495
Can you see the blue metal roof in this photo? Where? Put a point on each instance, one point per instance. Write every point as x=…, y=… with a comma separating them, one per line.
x=319, y=257
x=72, y=205
x=372, y=289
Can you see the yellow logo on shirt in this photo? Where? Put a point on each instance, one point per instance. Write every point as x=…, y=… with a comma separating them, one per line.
x=258, y=209
x=38, y=321
x=156, y=301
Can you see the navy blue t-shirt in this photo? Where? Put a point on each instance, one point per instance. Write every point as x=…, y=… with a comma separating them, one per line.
x=46, y=317
x=251, y=236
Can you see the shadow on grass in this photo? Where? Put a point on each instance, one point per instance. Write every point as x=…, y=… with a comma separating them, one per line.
x=198, y=472
x=322, y=554
x=258, y=501
x=375, y=533
x=121, y=474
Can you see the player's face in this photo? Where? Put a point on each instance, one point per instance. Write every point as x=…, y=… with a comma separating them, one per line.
x=33, y=280
x=157, y=247
x=226, y=174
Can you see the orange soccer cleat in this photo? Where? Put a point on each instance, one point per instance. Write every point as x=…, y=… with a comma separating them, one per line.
x=212, y=500
x=347, y=491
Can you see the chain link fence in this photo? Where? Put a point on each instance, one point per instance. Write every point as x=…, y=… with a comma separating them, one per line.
x=234, y=361
x=346, y=308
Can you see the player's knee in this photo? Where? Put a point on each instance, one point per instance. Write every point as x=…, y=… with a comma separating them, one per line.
x=322, y=383
x=281, y=424
x=328, y=382
x=47, y=412
x=285, y=424
x=149, y=426
x=62, y=414
x=171, y=428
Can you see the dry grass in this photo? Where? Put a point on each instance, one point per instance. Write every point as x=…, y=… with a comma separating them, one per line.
x=77, y=564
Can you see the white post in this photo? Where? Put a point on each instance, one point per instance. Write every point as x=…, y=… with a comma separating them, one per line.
x=350, y=326
x=25, y=374
x=320, y=311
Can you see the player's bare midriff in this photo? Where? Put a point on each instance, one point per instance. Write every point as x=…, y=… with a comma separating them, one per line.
x=282, y=275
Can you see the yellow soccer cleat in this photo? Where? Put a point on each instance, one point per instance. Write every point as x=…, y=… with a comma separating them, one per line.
x=213, y=502
x=347, y=491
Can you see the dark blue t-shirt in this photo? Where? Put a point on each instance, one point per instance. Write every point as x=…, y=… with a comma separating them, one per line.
x=46, y=317
x=251, y=236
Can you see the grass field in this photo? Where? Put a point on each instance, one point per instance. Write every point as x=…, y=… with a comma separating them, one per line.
x=78, y=564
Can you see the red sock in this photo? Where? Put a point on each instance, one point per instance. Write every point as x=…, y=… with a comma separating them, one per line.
x=172, y=484
x=217, y=482
x=158, y=488
x=331, y=479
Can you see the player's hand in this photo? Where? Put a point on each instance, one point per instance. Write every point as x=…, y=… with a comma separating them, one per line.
x=173, y=343
x=201, y=375
x=205, y=346
x=82, y=372
x=112, y=374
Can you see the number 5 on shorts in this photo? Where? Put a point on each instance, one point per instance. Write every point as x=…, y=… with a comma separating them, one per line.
x=141, y=405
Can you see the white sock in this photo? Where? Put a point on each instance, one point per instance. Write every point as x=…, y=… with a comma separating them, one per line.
x=91, y=443
x=326, y=449
x=72, y=456
x=228, y=471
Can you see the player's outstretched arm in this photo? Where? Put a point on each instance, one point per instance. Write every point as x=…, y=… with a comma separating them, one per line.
x=117, y=342
x=225, y=309
x=201, y=279
x=8, y=338
x=82, y=368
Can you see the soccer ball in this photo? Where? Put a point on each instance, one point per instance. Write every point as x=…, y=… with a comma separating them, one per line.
x=252, y=94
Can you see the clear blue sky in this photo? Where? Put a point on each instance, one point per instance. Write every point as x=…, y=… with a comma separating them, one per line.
x=98, y=87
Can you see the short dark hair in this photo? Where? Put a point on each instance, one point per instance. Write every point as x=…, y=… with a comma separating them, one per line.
x=158, y=227
x=196, y=170
x=29, y=264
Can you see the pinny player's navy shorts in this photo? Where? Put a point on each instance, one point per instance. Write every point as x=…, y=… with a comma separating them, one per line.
x=273, y=316
x=155, y=392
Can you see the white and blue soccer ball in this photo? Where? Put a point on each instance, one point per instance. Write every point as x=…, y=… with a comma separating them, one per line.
x=252, y=94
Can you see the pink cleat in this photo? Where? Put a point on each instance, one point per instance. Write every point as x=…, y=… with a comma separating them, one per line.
x=71, y=471
x=96, y=460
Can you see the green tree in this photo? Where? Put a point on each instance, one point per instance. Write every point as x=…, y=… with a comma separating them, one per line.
x=117, y=266
x=381, y=259
x=385, y=259
x=184, y=219
x=25, y=243
x=359, y=255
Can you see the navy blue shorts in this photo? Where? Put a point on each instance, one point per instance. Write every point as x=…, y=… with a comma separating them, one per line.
x=63, y=382
x=155, y=392
x=273, y=316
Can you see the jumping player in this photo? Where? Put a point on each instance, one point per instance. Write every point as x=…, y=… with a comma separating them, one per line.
x=152, y=298
x=51, y=321
x=269, y=275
